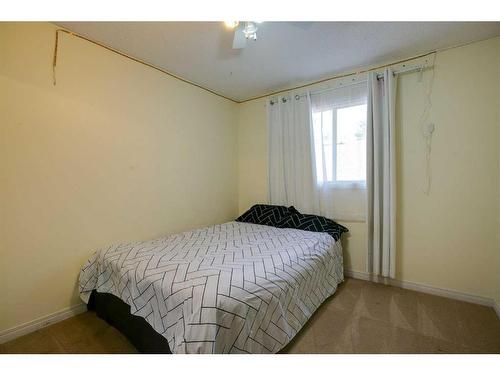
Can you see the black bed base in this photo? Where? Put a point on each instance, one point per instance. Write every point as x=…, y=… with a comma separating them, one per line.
x=117, y=313
x=136, y=329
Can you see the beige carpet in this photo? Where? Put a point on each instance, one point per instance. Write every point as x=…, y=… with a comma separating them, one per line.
x=362, y=317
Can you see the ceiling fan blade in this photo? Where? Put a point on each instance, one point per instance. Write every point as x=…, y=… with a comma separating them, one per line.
x=239, y=40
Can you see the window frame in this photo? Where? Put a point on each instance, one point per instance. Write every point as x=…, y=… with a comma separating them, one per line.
x=347, y=184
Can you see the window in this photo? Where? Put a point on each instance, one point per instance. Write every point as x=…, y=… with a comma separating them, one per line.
x=340, y=143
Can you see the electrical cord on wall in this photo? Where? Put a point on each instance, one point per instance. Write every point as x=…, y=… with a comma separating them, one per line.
x=427, y=131
x=428, y=148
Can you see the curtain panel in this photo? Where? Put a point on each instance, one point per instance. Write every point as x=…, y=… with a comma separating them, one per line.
x=291, y=176
x=381, y=174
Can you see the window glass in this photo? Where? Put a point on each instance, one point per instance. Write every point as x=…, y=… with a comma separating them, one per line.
x=340, y=144
x=351, y=143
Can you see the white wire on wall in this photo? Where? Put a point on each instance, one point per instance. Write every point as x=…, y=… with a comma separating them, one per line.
x=427, y=130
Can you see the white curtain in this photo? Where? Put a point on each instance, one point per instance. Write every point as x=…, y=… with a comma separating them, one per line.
x=291, y=176
x=339, y=199
x=381, y=174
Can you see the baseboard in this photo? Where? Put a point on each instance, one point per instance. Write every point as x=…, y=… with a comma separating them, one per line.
x=44, y=321
x=448, y=293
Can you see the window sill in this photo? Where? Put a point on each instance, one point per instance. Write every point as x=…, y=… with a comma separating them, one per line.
x=344, y=185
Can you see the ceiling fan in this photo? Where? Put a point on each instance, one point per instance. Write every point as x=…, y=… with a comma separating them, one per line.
x=242, y=32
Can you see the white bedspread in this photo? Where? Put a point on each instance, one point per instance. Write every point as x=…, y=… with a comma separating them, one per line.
x=229, y=288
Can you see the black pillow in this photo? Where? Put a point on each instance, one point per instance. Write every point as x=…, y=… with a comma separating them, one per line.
x=312, y=223
x=266, y=214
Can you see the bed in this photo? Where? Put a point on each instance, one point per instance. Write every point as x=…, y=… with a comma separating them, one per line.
x=236, y=287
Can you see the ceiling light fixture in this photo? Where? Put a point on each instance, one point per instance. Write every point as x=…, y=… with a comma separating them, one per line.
x=243, y=31
x=231, y=24
x=250, y=30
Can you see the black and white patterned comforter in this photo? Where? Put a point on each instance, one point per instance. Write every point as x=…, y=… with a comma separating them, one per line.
x=229, y=288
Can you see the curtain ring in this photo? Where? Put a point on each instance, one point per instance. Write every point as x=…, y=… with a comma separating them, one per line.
x=271, y=102
x=297, y=97
x=283, y=100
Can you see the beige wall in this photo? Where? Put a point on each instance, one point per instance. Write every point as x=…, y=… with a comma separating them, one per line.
x=449, y=238
x=497, y=272
x=252, y=154
x=115, y=152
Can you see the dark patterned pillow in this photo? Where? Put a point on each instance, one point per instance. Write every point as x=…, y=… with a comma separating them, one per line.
x=313, y=223
x=266, y=214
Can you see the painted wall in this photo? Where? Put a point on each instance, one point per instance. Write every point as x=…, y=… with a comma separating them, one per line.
x=497, y=272
x=448, y=239
x=116, y=151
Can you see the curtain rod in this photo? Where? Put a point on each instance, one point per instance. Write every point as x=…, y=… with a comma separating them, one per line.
x=54, y=62
x=410, y=69
x=414, y=68
x=341, y=86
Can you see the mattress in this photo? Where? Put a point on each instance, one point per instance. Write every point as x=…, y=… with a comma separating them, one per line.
x=228, y=288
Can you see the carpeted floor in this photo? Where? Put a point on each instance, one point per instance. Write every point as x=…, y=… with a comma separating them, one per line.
x=362, y=317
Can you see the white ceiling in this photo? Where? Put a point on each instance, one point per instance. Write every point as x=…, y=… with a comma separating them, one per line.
x=285, y=54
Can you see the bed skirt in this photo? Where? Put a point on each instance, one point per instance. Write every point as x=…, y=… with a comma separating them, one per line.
x=136, y=329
